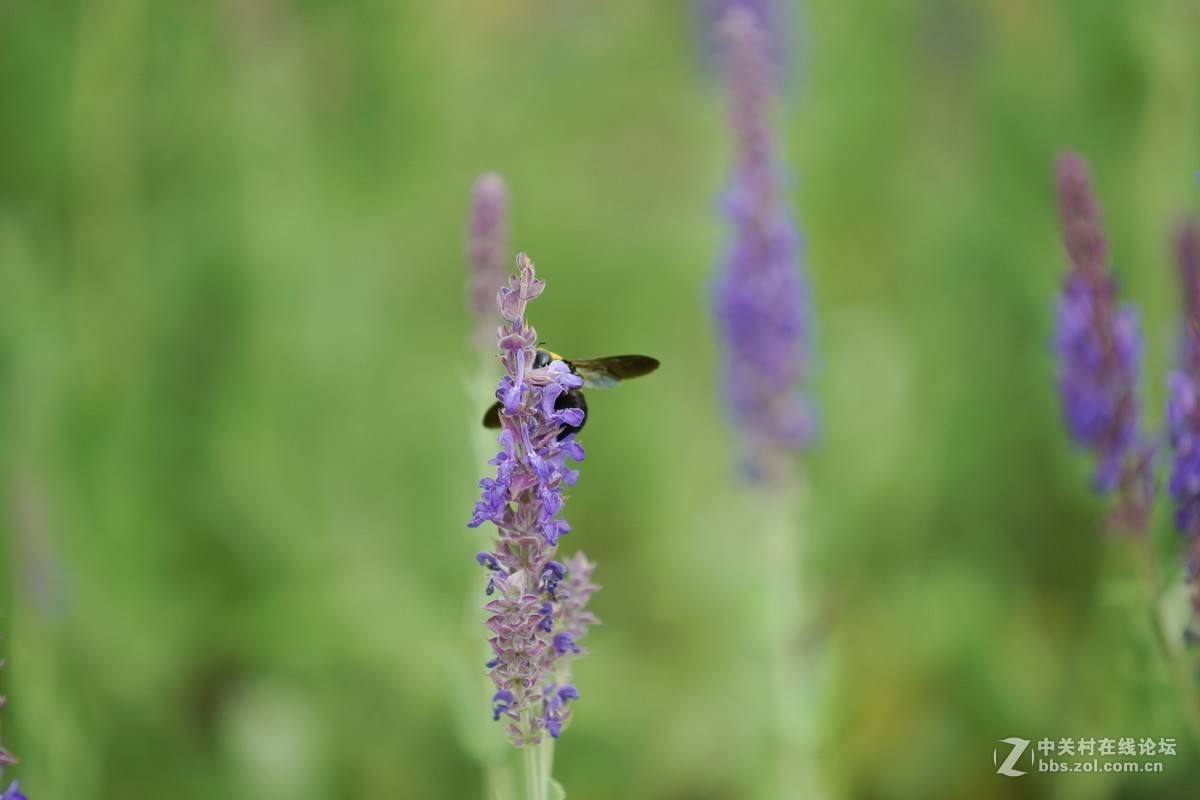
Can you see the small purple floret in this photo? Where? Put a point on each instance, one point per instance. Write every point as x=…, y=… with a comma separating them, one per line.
x=501, y=703
x=556, y=712
x=565, y=642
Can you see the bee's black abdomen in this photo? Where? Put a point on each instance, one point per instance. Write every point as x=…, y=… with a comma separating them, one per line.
x=572, y=398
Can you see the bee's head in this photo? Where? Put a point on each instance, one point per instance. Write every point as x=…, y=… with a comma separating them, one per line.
x=544, y=357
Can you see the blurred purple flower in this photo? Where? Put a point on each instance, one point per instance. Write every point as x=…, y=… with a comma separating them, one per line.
x=1100, y=349
x=1183, y=410
x=12, y=792
x=487, y=251
x=768, y=14
x=537, y=601
x=762, y=297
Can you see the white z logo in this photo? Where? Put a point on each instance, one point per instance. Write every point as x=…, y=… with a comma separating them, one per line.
x=1018, y=747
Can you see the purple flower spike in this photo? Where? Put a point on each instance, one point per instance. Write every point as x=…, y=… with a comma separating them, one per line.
x=487, y=250
x=12, y=793
x=537, y=610
x=762, y=297
x=1183, y=410
x=1099, y=348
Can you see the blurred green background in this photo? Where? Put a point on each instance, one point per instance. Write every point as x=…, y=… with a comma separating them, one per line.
x=238, y=457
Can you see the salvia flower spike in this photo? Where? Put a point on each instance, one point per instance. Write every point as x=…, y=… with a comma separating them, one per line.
x=1183, y=408
x=762, y=296
x=1099, y=349
x=537, y=603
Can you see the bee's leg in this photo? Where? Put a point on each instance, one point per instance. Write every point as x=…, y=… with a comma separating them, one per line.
x=572, y=398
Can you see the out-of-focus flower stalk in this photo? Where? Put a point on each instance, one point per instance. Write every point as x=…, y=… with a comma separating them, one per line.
x=1100, y=352
x=763, y=316
x=1099, y=346
x=1183, y=407
x=487, y=258
x=1183, y=421
x=762, y=303
x=772, y=18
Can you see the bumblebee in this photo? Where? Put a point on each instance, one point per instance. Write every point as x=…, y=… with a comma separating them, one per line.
x=597, y=373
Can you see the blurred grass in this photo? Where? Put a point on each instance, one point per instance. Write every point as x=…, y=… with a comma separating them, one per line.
x=237, y=462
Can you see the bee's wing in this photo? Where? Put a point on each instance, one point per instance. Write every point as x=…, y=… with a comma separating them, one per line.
x=492, y=418
x=607, y=372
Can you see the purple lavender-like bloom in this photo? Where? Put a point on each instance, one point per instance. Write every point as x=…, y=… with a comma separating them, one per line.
x=487, y=251
x=1100, y=349
x=13, y=793
x=537, y=600
x=762, y=297
x=767, y=13
x=1183, y=410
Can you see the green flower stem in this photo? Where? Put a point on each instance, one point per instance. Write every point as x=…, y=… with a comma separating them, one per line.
x=789, y=669
x=539, y=762
x=1169, y=640
x=484, y=739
